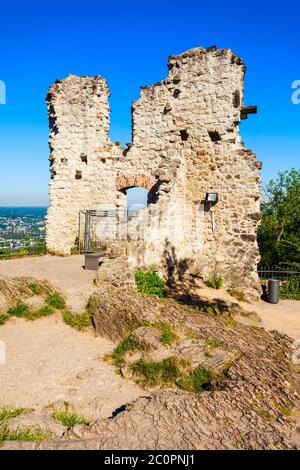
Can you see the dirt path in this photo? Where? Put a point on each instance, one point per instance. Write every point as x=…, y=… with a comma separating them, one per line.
x=283, y=317
x=47, y=361
x=66, y=274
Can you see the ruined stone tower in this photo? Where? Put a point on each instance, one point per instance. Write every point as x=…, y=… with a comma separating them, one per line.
x=185, y=144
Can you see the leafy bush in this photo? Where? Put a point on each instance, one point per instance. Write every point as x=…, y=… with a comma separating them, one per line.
x=68, y=416
x=278, y=234
x=215, y=281
x=290, y=289
x=56, y=300
x=78, y=321
x=149, y=283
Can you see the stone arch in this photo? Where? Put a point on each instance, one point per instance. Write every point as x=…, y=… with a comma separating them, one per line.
x=125, y=182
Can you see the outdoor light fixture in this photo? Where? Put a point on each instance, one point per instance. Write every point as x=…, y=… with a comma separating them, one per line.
x=211, y=198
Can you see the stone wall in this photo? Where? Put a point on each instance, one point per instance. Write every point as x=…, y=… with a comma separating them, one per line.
x=185, y=143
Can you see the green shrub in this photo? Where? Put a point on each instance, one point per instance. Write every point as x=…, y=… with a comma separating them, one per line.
x=20, y=310
x=215, y=281
x=78, y=321
x=290, y=289
x=149, y=283
x=68, y=416
x=56, y=300
x=151, y=373
x=237, y=294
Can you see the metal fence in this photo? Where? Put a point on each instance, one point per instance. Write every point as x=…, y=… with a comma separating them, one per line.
x=96, y=227
x=278, y=272
x=288, y=276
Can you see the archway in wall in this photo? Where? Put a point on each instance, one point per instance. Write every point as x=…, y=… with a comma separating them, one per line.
x=134, y=192
x=136, y=199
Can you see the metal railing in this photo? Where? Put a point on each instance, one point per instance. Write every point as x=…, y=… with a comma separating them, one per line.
x=288, y=276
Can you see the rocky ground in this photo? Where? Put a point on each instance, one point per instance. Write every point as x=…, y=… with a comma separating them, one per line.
x=251, y=400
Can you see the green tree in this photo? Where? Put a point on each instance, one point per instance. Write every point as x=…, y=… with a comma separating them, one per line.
x=279, y=232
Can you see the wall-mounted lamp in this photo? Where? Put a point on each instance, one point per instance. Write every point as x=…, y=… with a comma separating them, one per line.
x=210, y=200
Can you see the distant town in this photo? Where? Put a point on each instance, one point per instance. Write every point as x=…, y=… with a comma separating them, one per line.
x=22, y=230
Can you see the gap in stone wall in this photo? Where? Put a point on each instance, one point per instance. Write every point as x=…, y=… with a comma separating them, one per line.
x=136, y=198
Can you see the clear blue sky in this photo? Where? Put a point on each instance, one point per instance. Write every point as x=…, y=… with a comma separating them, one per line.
x=128, y=43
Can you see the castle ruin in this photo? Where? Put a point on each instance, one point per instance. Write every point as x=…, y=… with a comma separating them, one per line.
x=185, y=145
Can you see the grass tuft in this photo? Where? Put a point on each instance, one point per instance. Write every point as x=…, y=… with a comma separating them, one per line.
x=68, y=416
x=8, y=412
x=56, y=300
x=23, y=311
x=237, y=294
x=78, y=321
x=20, y=310
x=45, y=311
x=285, y=410
x=36, y=434
x=36, y=288
x=202, y=379
x=3, y=318
x=151, y=373
x=215, y=281
x=168, y=335
x=118, y=354
x=213, y=343
x=198, y=380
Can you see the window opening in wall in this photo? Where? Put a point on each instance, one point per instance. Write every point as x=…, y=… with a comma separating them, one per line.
x=215, y=136
x=184, y=135
x=136, y=199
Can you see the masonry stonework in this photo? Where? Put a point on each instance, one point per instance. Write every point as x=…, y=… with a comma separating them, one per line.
x=185, y=143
